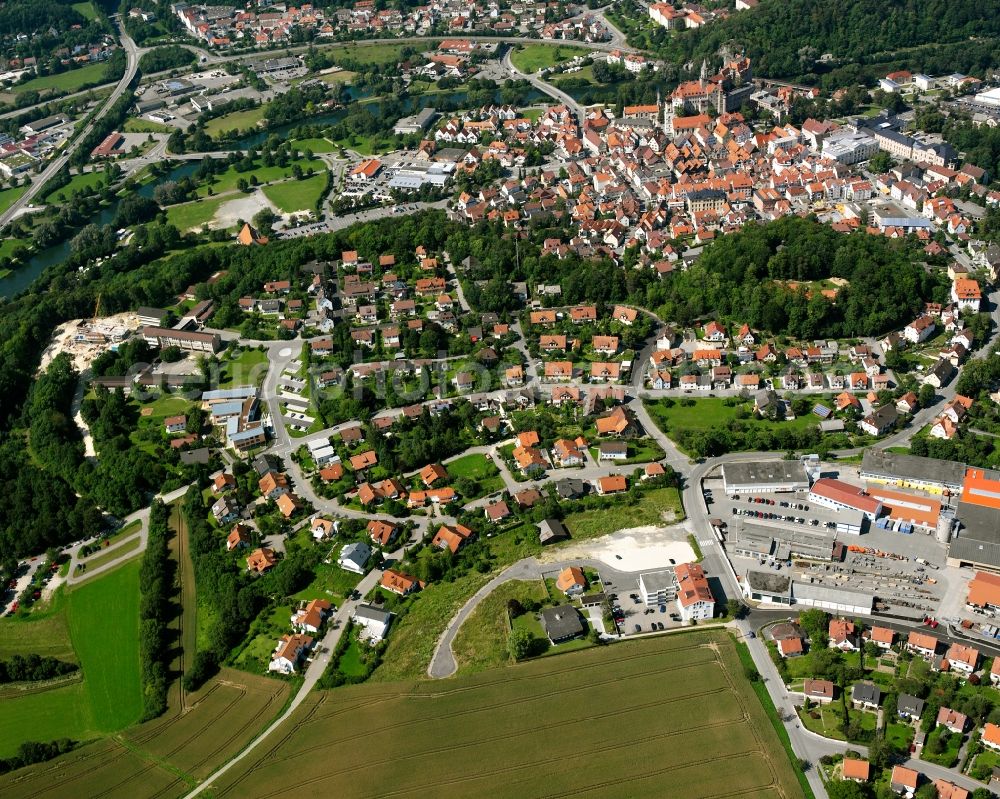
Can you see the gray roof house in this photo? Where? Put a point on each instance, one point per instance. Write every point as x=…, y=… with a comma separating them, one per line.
x=909, y=707
x=866, y=695
x=354, y=557
x=550, y=530
x=562, y=623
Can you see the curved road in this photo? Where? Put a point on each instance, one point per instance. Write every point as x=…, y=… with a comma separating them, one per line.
x=57, y=163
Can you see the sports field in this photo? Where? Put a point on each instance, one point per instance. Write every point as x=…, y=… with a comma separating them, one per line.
x=642, y=718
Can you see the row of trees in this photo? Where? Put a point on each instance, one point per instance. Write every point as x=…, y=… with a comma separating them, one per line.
x=33, y=668
x=156, y=606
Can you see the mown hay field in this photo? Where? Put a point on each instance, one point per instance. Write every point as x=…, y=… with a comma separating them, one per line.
x=662, y=717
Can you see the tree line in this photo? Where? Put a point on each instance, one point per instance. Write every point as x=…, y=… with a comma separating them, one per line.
x=156, y=608
x=33, y=668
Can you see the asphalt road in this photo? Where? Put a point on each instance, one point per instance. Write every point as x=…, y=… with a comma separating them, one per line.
x=57, y=163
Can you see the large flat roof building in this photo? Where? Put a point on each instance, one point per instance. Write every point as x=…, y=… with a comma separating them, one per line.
x=764, y=476
x=977, y=542
x=185, y=339
x=912, y=471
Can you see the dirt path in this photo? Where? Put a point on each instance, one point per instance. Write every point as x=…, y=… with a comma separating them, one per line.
x=187, y=619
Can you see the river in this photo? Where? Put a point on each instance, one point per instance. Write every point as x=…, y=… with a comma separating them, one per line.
x=22, y=277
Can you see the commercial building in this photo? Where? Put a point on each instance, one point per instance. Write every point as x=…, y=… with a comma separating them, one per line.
x=912, y=471
x=185, y=339
x=658, y=588
x=977, y=540
x=417, y=123
x=839, y=495
x=776, y=589
x=850, y=147
x=764, y=477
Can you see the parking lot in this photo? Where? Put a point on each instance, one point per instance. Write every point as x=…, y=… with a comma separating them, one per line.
x=905, y=572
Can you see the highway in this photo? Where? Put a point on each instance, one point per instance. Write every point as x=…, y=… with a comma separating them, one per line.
x=38, y=181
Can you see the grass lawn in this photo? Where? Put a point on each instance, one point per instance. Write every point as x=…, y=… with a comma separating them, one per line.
x=237, y=120
x=373, y=53
x=643, y=450
x=533, y=57
x=679, y=704
x=297, y=195
x=100, y=558
x=187, y=216
x=85, y=10
x=481, y=642
x=586, y=73
x=825, y=720
x=649, y=510
x=167, y=405
x=331, y=583
x=247, y=368
x=899, y=734
x=103, y=623
x=88, y=180
x=982, y=766
x=226, y=181
x=9, y=196
x=45, y=632
x=710, y=413
x=134, y=125
x=477, y=467
x=69, y=81
x=315, y=144
x=9, y=246
x=350, y=663
x=342, y=76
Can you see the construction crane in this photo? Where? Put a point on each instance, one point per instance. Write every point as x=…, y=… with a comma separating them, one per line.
x=97, y=307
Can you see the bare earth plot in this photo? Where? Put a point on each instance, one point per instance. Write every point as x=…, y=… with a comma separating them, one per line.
x=164, y=758
x=635, y=719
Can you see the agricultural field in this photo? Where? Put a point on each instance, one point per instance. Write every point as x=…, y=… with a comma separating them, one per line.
x=533, y=57
x=572, y=719
x=297, y=195
x=165, y=757
x=102, y=622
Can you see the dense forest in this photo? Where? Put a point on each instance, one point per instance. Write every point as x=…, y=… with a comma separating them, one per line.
x=787, y=38
x=742, y=277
